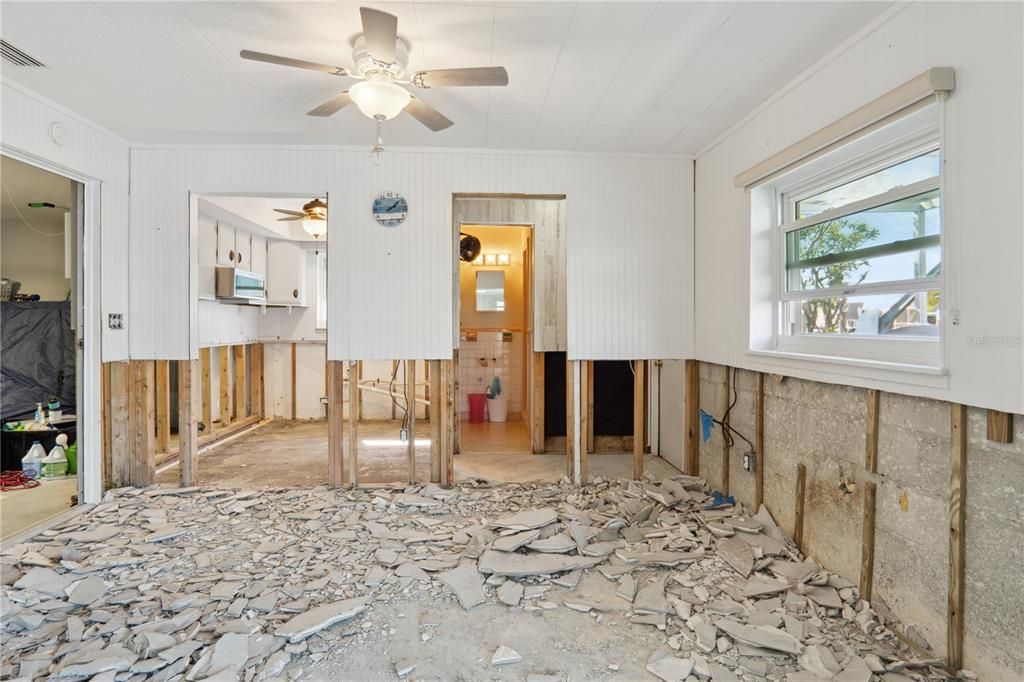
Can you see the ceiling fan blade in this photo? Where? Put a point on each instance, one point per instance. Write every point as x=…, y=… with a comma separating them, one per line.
x=447, y=78
x=295, y=63
x=427, y=115
x=380, y=30
x=290, y=218
x=331, y=106
x=287, y=212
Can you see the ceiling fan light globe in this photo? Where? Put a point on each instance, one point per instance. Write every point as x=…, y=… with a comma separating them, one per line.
x=379, y=98
x=315, y=227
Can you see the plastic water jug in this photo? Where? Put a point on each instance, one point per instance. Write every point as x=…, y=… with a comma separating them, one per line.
x=32, y=463
x=55, y=464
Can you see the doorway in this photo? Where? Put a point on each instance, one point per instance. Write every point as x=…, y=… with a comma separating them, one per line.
x=495, y=324
x=41, y=334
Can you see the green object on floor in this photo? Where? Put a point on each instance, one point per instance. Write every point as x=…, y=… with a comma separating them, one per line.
x=72, y=455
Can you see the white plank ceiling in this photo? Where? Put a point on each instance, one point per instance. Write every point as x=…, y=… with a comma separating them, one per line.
x=630, y=76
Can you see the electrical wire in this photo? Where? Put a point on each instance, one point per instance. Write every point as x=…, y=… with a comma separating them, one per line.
x=25, y=220
x=391, y=392
x=727, y=429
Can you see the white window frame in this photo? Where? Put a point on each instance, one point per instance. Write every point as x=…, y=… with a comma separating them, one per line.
x=321, y=290
x=815, y=177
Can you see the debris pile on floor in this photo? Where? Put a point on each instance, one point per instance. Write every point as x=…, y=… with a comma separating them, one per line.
x=194, y=584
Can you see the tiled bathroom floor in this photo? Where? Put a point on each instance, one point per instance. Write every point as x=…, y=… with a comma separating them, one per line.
x=494, y=437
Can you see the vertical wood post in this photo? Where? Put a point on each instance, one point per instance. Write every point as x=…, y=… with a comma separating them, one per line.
x=692, y=418
x=394, y=371
x=586, y=419
x=410, y=401
x=206, y=387
x=537, y=432
x=163, y=405
x=255, y=364
x=448, y=407
x=105, y=421
x=638, y=419
x=262, y=404
x=871, y=455
x=570, y=423
x=295, y=409
x=999, y=427
x=456, y=399
x=427, y=385
x=434, y=414
x=957, y=539
x=335, y=423
x=726, y=460
x=867, y=557
x=798, y=516
x=120, y=434
x=224, y=384
x=759, y=441
x=353, y=425
x=239, y=382
x=141, y=458
x=189, y=403
x=359, y=377
x=589, y=393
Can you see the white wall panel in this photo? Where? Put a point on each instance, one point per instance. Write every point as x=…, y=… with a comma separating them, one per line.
x=628, y=224
x=983, y=211
x=89, y=153
x=222, y=324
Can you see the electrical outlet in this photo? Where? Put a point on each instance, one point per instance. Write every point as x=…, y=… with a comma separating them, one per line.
x=748, y=461
x=115, y=321
x=404, y=435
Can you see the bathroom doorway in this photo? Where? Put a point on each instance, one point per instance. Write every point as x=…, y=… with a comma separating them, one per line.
x=495, y=331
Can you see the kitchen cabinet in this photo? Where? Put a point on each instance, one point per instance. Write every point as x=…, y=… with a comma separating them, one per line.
x=286, y=273
x=243, y=250
x=225, y=244
x=207, y=256
x=258, y=260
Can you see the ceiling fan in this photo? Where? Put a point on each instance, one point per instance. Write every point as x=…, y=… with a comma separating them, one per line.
x=381, y=59
x=313, y=217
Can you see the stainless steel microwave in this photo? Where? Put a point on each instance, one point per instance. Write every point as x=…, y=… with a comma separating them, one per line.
x=236, y=283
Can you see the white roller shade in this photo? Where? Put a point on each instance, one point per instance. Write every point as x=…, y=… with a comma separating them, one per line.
x=936, y=80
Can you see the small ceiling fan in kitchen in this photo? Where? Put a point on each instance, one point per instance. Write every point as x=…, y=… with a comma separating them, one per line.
x=313, y=217
x=381, y=59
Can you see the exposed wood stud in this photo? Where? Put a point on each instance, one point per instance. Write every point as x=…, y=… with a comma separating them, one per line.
x=239, y=383
x=255, y=367
x=262, y=413
x=798, y=516
x=163, y=405
x=141, y=457
x=359, y=378
x=580, y=407
x=410, y=401
x=726, y=451
x=335, y=423
x=105, y=421
x=427, y=384
x=759, y=442
x=871, y=455
x=206, y=387
x=294, y=393
x=448, y=407
x=394, y=372
x=188, y=421
x=435, y=408
x=538, y=436
x=957, y=539
x=224, y=384
x=586, y=421
x=638, y=419
x=456, y=399
x=999, y=427
x=120, y=433
x=867, y=558
x=692, y=418
x=570, y=424
x=589, y=393
x=353, y=426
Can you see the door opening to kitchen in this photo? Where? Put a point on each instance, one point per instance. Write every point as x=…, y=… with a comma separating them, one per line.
x=40, y=335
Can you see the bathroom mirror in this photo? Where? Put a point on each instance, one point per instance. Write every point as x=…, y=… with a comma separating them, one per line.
x=490, y=291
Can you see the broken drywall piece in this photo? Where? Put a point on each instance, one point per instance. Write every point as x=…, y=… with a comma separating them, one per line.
x=650, y=598
x=510, y=543
x=559, y=543
x=737, y=554
x=465, y=581
x=668, y=668
x=522, y=565
x=505, y=656
x=316, y=619
x=527, y=520
x=765, y=638
x=510, y=593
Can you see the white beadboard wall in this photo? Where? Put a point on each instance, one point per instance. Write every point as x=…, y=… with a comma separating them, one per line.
x=628, y=223
x=92, y=153
x=982, y=199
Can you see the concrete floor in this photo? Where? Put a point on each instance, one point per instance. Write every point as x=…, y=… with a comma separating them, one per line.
x=20, y=509
x=294, y=453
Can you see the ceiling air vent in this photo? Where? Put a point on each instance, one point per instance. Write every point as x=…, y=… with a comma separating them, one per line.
x=16, y=56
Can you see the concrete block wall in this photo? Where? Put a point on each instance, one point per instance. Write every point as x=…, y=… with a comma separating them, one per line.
x=824, y=427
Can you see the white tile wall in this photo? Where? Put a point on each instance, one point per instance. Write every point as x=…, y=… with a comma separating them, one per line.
x=487, y=357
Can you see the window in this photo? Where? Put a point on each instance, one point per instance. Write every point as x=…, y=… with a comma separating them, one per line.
x=858, y=235
x=321, y=290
